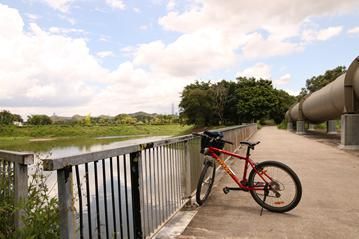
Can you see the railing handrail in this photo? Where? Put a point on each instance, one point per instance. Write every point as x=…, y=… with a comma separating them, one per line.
x=62, y=162
x=25, y=158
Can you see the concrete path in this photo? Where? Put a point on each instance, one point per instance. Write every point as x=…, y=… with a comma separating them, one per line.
x=329, y=206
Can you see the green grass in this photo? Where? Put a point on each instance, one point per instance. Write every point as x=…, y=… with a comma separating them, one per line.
x=91, y=131
x=20, y=138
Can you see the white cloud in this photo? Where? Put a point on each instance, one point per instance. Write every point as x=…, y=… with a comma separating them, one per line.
x=189, y=55
x=50, y=65
x=32, y=17
x=118, y=4
x=258, y=71
x=213, y=35
x=237, y=21
x=65, y=31
x=59, y=74
x=171, y=4
x=259, y=47
x=137, y=89
x=103, y=54
x=38, y=91
x=353, y=31
x=245, y=14
x=68, y=19
x=291, y=91
x=264, y=71
x=60, y=5
x=283, y=80
x=321, y=35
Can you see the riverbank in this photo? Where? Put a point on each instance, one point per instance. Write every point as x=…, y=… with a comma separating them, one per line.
x=45, y=137
x=48, y=131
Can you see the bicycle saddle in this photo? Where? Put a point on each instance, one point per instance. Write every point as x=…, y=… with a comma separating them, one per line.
x=249, y=143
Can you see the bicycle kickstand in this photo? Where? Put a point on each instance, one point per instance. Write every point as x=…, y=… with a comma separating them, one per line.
x=266, y=192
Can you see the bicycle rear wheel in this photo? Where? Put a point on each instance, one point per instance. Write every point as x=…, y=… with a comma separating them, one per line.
x=205, y=181
x=284, y=187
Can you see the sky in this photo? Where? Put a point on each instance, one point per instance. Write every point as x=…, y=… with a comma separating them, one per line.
x=118, y=56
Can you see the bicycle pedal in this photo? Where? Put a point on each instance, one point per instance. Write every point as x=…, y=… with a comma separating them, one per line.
x=226, y=190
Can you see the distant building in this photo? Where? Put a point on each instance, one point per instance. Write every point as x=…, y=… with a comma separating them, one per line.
x=17, y=123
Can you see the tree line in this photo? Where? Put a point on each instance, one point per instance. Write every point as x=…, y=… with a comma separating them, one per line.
x=7, y=118
x=233, y=102
x=244, y=100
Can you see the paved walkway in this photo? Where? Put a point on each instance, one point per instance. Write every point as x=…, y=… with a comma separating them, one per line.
x=329, y=206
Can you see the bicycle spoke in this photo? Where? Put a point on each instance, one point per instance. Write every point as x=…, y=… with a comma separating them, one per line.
x=282, y=183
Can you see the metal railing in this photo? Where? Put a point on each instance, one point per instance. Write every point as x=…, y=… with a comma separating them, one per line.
x=130, y=192
x=127, y=192
x=14, y=179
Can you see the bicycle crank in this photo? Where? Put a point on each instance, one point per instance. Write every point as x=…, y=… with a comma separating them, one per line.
x=226, y=190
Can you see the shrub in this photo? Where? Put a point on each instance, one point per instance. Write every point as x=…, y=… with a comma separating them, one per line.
x=41, y=212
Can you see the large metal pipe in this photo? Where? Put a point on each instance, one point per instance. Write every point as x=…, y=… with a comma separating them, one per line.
x=294, y=113
x=327, y=103
x=356, y=82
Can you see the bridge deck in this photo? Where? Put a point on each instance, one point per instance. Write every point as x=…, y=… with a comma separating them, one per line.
x=329, y=206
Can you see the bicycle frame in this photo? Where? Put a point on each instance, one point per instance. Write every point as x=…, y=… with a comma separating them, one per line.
x=212, y=152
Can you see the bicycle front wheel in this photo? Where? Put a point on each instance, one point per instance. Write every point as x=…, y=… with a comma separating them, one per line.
x=284, y=189
x=205, y=181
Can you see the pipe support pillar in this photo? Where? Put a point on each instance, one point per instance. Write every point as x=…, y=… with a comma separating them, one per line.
x=350, y=131
x=300, y=127
x=290, y=126
x=311, y=126
x=331, y=127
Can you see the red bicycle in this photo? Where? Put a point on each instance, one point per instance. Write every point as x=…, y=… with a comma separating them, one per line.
x=273, y=185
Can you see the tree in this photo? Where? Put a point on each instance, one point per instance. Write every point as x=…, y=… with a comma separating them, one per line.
x=230, y=108
x=7, y=118
x=87, y=120
x=125, y=119
x=220, y=94
x=17, y=118
x=39, y=120
x=256, y=99
x=285, y=101
x=228, y=102
x=317, y=82
x=197, y=104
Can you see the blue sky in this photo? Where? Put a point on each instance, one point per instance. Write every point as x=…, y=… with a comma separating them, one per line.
x=116, y=56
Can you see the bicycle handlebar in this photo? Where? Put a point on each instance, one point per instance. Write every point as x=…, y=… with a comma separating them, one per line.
x=227, y=142
x=206, y=136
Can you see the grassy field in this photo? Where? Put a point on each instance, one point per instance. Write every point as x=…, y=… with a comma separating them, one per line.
x=92, y=131
x=23, y=138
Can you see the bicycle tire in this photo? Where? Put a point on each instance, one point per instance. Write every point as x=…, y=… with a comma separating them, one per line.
x=206, y=179
x=279, y=204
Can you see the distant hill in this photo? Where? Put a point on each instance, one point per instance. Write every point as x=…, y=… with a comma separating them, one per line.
x=106, y=116
x=54, y=118
x=77, y=117
x=141, y=113
x=138, y=115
